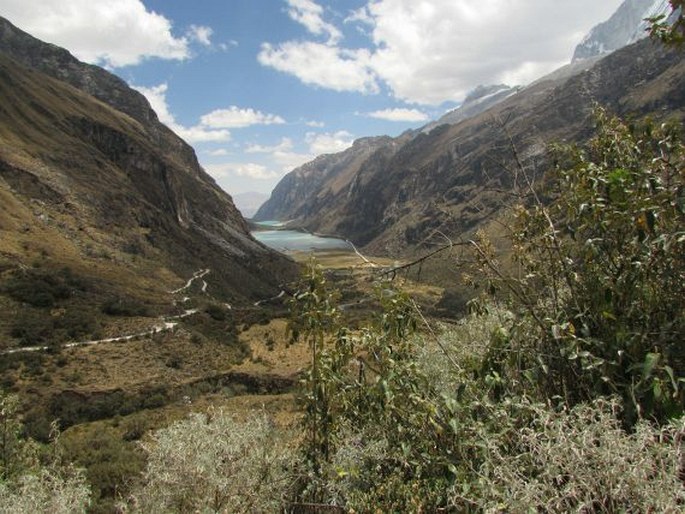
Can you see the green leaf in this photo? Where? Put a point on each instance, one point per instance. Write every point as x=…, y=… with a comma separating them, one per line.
x=671, y=375
x=656, y=389
x=651, y=360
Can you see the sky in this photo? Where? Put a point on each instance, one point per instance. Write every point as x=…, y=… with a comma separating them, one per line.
x=259, y=87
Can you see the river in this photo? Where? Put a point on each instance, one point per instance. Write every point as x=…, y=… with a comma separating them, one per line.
x=286, y=241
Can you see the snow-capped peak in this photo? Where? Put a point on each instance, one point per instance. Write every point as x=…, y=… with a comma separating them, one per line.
x=625, y=26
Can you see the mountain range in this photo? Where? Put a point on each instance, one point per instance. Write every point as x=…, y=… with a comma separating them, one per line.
x=396, y=195
x=249, y=202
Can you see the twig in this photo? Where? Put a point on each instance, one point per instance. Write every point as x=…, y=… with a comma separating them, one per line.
x=393, y=271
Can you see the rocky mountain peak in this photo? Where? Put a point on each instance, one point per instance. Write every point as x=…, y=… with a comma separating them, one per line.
x=62, y=65
x=625, y=26
x=478, y=100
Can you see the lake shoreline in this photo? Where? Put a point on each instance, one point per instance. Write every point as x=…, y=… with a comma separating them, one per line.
x=275, y=234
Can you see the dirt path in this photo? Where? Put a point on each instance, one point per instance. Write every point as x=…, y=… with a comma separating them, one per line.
x=164, y=324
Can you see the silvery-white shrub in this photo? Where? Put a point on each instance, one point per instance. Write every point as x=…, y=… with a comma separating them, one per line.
x=47, y=490
x=214, y=463
x=583, y=460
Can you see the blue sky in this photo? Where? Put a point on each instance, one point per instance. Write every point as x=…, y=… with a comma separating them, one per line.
x=259, y=87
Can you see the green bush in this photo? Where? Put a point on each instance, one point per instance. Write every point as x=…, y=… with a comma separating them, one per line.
x=57, y=491
x=217, y=312
x=110, y=463
x=124, y=307
x=74, y=324
x=43, y=287
x=26, y=486
x=216, y=323
x=33, y=328
x=600, y=294
x=567, y=398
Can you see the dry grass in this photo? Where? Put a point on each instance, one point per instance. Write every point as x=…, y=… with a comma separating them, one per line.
x=130, y=364
x=272, y=351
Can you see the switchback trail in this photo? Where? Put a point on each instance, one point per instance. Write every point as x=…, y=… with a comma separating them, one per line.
x=164, y=324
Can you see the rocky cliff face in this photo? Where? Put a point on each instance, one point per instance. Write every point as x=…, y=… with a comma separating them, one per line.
x=625, y=26
x=453, y=178
x=90, y=169
x=306, y=192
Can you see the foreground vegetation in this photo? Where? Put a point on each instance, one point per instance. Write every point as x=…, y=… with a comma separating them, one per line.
x=561, y=391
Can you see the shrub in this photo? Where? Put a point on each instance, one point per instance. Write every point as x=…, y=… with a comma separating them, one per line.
x=74, y=324
x=216, y=323
x=43, y=287
x=375, y=432
x=26, y=487
x=600, y=295
x=217, y=312
x=61, y=491
x=110, y=463
x=125, y=307
x=582, y=461
x=16, y=454
x=396, y=422
x=213, y=463
x=33, y=328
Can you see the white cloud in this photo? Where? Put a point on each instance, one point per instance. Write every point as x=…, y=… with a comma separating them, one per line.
x=407, y=115
x=113, y=33
x=213, y=126
x=156, y=95
x=271, y=162
x=240, y=169
x=230, y=44
x=328, y=142
x=315, y=124
x=220, y=152
x=281, y=154
x=198, y=134
x=285, y=145
x=432, y=51
x=309, y=14
x=322, y=65
x=361, y=15
x=235, y=117
x=201, y=34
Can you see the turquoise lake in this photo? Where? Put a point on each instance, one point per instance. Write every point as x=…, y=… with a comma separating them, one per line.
x=294, y=240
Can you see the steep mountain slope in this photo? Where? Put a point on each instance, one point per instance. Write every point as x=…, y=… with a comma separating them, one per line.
x=119, y=255
x=625, y=26
x=307, y=191
x=454, y=178
x=90, y=179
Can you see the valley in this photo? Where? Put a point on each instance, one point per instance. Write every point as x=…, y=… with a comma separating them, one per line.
x=481, y=313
